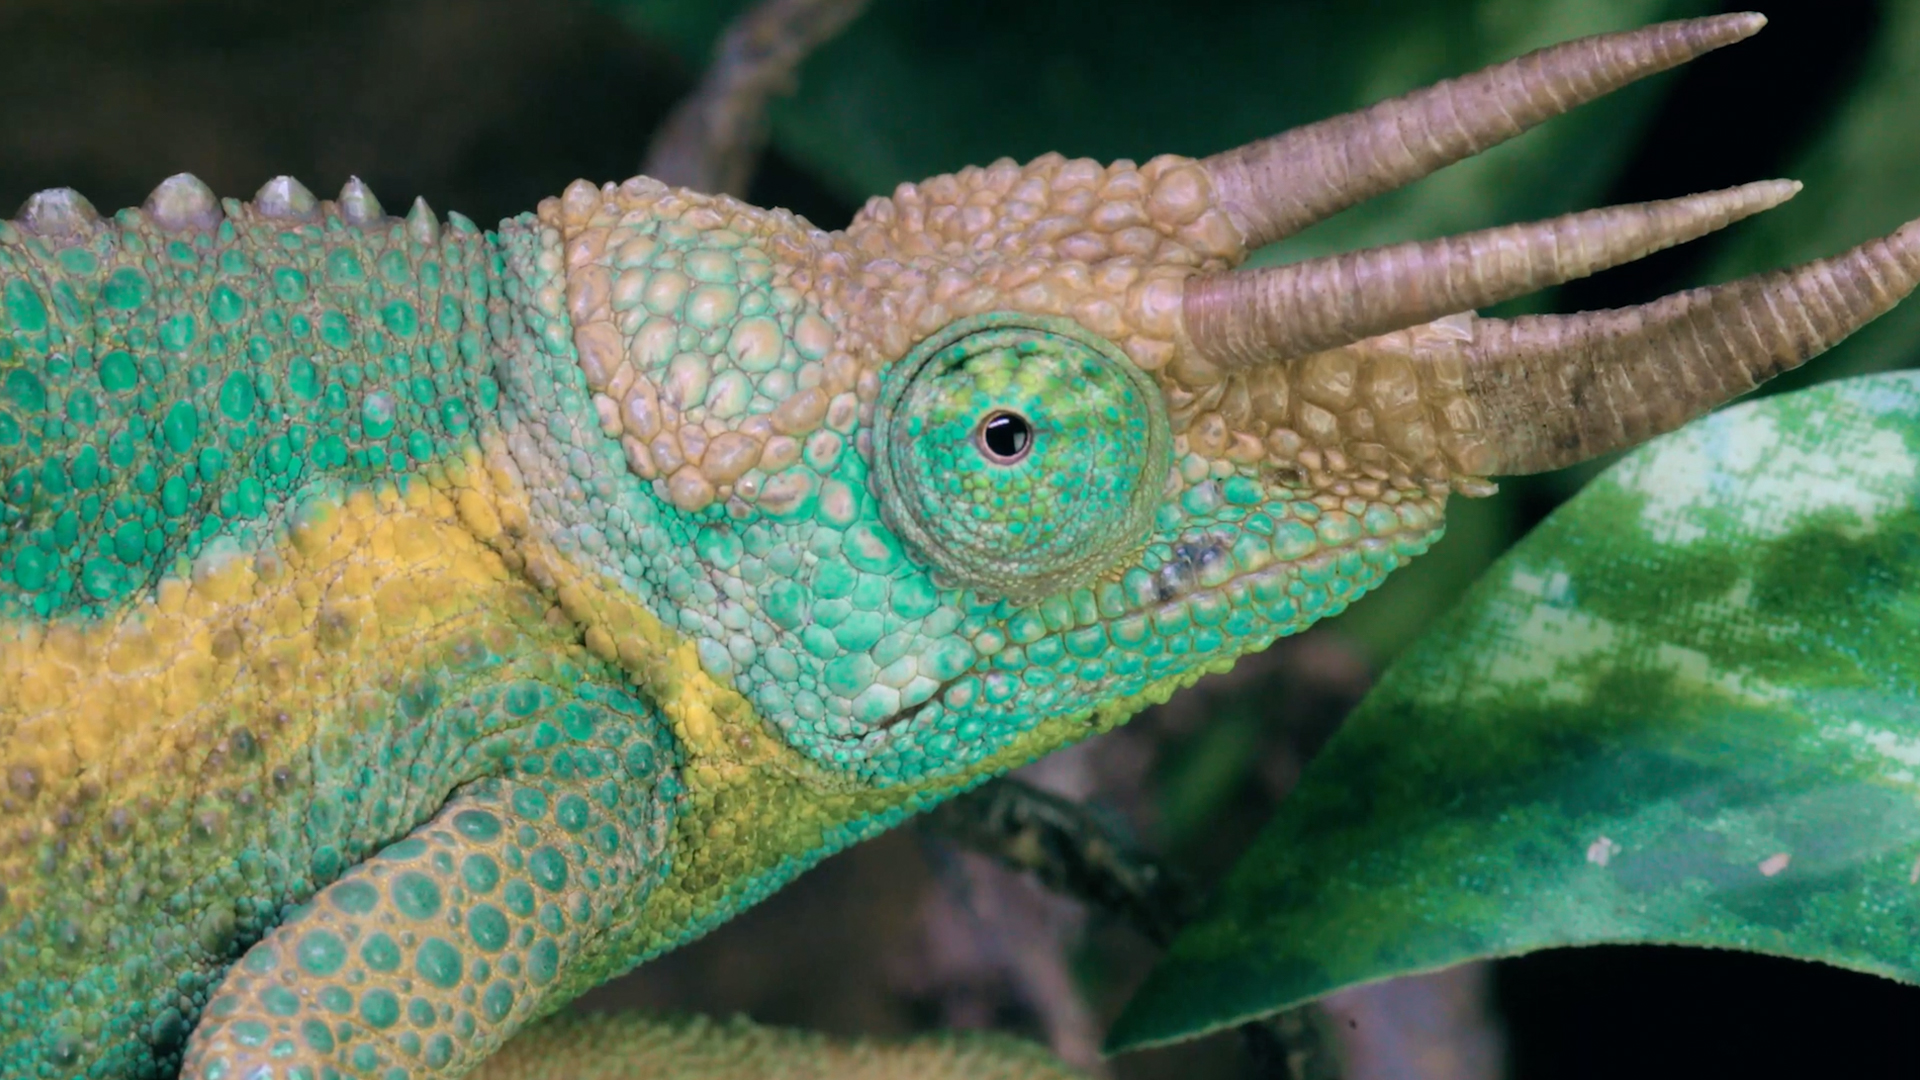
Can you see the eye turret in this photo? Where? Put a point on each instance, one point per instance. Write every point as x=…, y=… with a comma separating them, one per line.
x=1019, y=454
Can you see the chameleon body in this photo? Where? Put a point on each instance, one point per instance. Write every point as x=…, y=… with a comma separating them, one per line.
x=405, y=627
x=315, y=525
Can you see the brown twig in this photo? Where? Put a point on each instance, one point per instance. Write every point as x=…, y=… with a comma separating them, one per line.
x=1071, y=849
x=712, y=140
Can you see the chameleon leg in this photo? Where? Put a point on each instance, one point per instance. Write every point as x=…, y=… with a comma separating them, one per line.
x=422, y=960
x=630, y=1046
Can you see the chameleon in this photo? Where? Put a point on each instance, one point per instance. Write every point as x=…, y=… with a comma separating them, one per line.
x=405, y=626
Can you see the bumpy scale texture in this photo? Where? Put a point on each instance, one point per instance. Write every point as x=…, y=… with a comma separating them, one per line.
x=627, y=1047
x=404, y=628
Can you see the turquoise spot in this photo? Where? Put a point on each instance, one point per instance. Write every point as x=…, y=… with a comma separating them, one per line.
x=871, y=548
x=572, y=813
x=101, y=579
x=415, y=894
x=318, y=1036
x=522, y=700
x=549, y=869
x=320, y=952
x=786, y=604
x=518, y=896
x=376, y=415
x=640, y=760
x=25, y=389
x=834, y=579
x=849, y=674
x=439, y=1051
x=421, y=1012
x=280, y=1001
x=529, y=803
x=379, y=952
x=354, y=897
x=290, y=286
x=861, y=631
x=334, y=330
x=487, y=926
x=303, y=378
x=379, y=1008
x=393, y=267
x=497, y=1003
x=249, y=1032
x=226, y=305
x=126, y=289
x=438, y=962
x=403, y=850
x=454, y=417
x=24, y=307
x=913, y=598
x=181, y=427
x=177, y=333
x=236, y=397
x=30, y=566
x=173, y=496
x=480, y=872
x=543, y=961
x=343, y=266
x=117, y=372
x=400, y=318
x=334, y=999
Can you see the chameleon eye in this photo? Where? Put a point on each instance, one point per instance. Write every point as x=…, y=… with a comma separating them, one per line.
x=1019, y=454
x=1004, y=437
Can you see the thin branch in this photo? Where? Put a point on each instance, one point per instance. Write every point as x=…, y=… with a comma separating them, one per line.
x=1074, y=850
x=712, y=140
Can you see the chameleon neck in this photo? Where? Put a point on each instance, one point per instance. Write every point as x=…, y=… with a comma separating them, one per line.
x=166, y=397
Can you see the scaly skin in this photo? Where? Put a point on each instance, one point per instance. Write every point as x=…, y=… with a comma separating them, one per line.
x=320, y=537
x=404, y=628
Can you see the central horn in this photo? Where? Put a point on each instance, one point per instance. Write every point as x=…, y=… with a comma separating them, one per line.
x=1245, y=317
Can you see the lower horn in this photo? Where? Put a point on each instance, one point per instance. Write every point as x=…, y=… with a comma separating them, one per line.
x=1558, y=389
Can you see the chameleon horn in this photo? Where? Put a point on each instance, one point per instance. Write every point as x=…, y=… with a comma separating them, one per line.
x=1246, y=317
x=1556, y=389
x=1277, y=186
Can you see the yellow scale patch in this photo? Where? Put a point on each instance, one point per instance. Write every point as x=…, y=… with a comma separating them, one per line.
x=280, y=643
x=286, y=644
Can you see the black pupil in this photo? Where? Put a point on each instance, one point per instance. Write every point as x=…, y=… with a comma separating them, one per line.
x=1006, y=435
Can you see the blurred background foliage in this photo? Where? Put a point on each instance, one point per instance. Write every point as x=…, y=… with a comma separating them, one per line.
x=488, y=105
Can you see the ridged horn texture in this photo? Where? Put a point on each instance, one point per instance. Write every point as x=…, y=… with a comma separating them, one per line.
x=1277, y=186
x=1556, y=389
x=1245, y=317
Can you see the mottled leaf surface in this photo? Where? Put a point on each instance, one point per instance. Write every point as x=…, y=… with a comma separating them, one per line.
x=1685, y=709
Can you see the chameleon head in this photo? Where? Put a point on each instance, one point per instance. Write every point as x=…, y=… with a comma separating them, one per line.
x=1020, y=450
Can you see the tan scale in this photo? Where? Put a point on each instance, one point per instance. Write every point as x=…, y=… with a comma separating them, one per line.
x=1360, y=374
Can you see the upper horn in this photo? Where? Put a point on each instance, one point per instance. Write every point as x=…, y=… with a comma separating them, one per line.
x=1277, y=186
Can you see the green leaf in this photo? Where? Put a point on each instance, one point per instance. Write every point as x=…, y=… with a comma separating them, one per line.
x=1684, y=710
x=916, y=89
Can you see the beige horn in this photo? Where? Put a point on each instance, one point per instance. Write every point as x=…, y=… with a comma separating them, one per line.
x=1246, y=317
x=1277, y=186
x=1557, y=389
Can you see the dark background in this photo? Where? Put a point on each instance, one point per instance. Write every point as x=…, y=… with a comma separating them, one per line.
x=486, y=106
